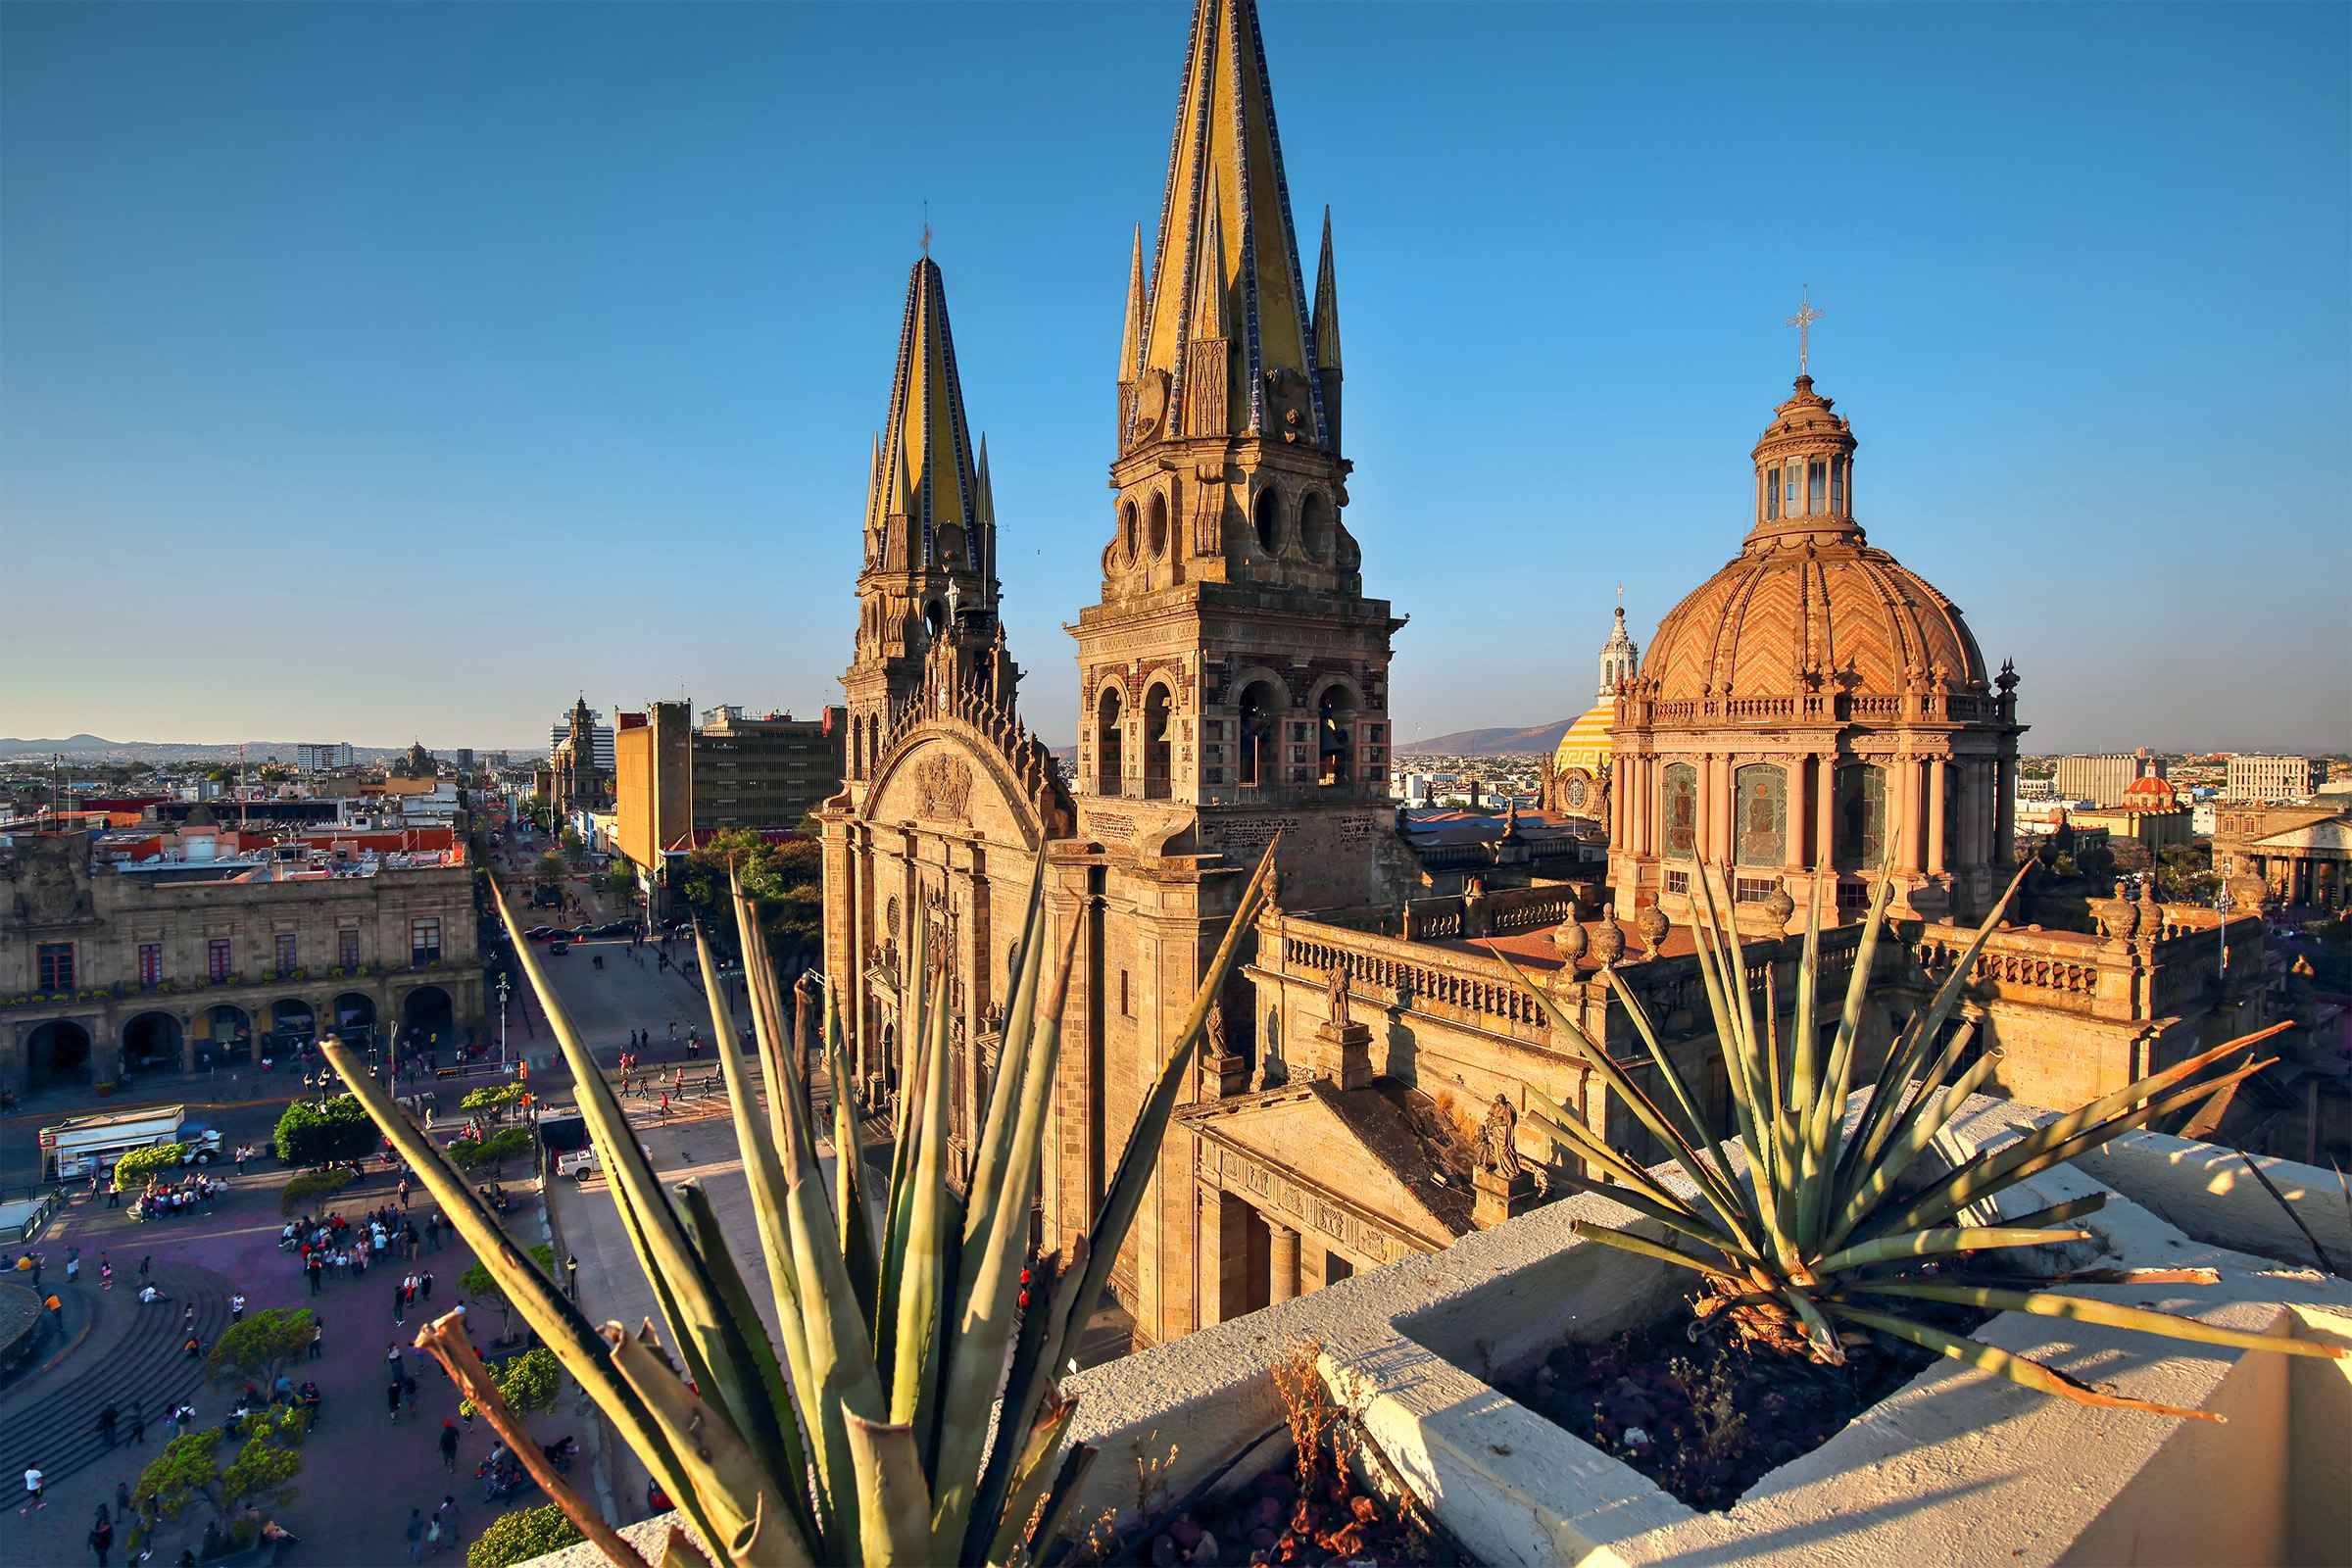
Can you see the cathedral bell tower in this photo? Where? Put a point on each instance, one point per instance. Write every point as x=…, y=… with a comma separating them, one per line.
x=1233, y=659
x=927, y=592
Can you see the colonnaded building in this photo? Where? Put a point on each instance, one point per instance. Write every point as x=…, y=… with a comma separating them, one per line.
x=1811, y=713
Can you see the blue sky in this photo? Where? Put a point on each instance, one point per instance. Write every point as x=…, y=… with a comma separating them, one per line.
x=378, y=371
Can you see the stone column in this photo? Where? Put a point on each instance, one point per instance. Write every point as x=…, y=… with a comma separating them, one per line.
x=1825, y=815
x=2005, y=813
x=1224, y=1256
x=1282, y=1278
x=1905, y=810
x=1936, y=824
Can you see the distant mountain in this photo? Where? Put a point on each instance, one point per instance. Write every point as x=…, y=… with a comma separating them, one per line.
x=96, y=747
x=1543, y=739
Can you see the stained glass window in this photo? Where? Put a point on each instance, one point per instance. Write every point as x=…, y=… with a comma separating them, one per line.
x=1861, y=805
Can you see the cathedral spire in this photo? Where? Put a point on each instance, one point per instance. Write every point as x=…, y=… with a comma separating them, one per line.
x=1226, y=216
x=926, y=443
x=1327, y=335
x=1131, y=342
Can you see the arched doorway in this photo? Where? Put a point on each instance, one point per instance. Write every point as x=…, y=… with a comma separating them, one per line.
x=1335, y=731
x=57, y=1052
x=291, y=1022
x=151, y=1043
x=355, y=1019
x=427, y=1020
x=223, y=1034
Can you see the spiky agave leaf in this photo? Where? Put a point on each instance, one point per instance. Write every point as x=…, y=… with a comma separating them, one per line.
x=1822, y=1211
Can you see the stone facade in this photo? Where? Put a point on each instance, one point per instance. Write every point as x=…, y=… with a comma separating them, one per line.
x=2283, y=855
x=105, y=972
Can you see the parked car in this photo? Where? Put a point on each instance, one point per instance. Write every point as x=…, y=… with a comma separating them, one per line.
x=614, y=928
x=543, y=933
x=558, y=947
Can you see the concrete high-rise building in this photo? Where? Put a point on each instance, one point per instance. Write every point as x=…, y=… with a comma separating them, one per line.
x=321, y=758
x=2106, y=779
x=2273, y=778
x=674, y=785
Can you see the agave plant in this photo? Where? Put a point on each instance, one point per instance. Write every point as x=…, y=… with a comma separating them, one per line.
x=909, y=1411
x=1822, y=1217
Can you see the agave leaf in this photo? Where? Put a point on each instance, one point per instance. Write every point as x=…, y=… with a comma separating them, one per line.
x=1141, y=1155
x=1066, y=1481
x=2085, y=1309
x=1570, y=1134
x=1021, y=1389
x=914, y=1035
x=1818, y=1333
x=986, y=1184
x=1727, y=1197
x=577, y=1345
x=1990, y=1173
x=893, y=1507
x=1984, y=1175
x=1737, y=1063
x=2016, y=1368
x=772, y=1432
x=1829, y=1111
x=849, y=1168
x=2056, y=1213
x=719, y=1468
x=1627, y=1241
x=1943, y=1239
x=1061, y=1333
x=1673, y=1216
x=1919, y=1127
x=1033, y=1475
x=922, y=1286
x=677, y=1551
x=989, y=1316
x=1719, y=1190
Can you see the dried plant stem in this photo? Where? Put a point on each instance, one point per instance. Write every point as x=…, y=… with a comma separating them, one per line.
x=445, y=1337
x=2317, y=1251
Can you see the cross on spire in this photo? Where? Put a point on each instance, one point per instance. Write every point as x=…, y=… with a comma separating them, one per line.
x=1803, y=322
x=926, y=225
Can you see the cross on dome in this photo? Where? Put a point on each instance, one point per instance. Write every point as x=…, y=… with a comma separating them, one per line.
x=1803, y=322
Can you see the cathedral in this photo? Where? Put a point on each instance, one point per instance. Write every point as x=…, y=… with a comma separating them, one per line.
x=1810, y=712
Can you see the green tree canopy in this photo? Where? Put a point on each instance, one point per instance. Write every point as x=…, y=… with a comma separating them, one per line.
x=495, y=1100
x=480, y=1285
x=259, y=1349
x=528, y=1382
x=785, y=883
x=519, y=1536
x=313, y=1135
x=142, y=1165
x=512, y=1143
x=552, y=868
x=188, y=1472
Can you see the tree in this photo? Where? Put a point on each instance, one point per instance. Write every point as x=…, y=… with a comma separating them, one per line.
x=621, y=882
x=188, y=1472
x=494, y=1101
x=519, y=1536
x=2185, y=876
x=573, y=845
x=311, y=1184
x=259, y=1349
x=785, y=883
x=497, y=1148
x=480, y=1285
x=528, y=1382
x=145, y=1165
x=552, y=868
x=317, y=1135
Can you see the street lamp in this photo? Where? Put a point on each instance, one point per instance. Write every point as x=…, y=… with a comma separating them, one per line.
x=2223, y=903
x=502, y=1021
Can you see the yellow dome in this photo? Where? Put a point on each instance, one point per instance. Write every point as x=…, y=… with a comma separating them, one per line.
x=1587, y=742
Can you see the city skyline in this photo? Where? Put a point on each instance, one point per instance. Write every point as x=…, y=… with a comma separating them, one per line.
x=394, y=350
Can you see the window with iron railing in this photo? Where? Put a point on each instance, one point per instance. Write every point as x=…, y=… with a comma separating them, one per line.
x=151, y=963
x=216, y=958
x=347, y=949
x=56, y=965
x=424, y=941
x=289, y=947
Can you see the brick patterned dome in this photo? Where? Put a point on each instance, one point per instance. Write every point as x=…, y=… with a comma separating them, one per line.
x=1808, y=604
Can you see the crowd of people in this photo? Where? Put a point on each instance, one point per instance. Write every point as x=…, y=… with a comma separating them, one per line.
x=191, y=1194
x=345, y=1249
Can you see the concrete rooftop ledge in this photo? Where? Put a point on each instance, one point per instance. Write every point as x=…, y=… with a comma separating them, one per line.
x=1956, y=1468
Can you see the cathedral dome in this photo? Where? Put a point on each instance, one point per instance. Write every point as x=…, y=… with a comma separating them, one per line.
x=1808, y=604
x=1586, y=745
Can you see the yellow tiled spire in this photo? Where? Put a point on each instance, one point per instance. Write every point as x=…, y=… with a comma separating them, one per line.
x=1131, y=343
x=1226, y=216
x=926, y=449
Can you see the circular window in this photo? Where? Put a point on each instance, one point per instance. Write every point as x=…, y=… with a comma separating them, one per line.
x=1574, y=794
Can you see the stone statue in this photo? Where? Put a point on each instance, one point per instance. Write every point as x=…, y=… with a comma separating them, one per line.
x=1336, y=1000
x=1500, y=1138
x=1216, y=1028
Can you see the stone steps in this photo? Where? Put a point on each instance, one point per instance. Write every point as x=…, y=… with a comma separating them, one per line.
x=59, y=1431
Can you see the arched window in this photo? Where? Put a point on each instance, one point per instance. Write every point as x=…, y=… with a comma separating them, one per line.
x=1861, y=818
x=1266, y=517
x=1156, y=750
x=1335, y=736
x=1760, y=827
x=935, y=616
x=1316, y=532
x=1260, y=728
x=1111, y=765
x=1155, y=527
x=1772, y=495
x=1127, y=535
x=1678, y=806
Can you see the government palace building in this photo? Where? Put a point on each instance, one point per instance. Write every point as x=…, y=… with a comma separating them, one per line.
x=1807, y=716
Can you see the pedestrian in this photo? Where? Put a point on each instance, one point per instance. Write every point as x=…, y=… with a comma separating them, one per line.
x=451, y=1518
x=122, y=1499
x=73, y=1265
x=102, y=1537
x=145, y=1263
x=400, y=1303
x=138, y=1422
x=425, y=1284
x=37, y=1269
x=34, y=1485
x=236, y=1307
x=392, y=1358
x=318, y=1336
x=408, y=1386
x=314, y=1268
x=665, y=1104
x=449, y=1446
x=392, y=1398
x=415, y=1531
x=243, y=1153
x=187, y=1320
x=113, y=1194
x=107, y=1417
